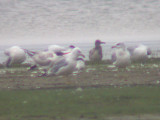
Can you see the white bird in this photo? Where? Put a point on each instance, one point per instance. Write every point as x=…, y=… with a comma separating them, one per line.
x=80, y=61
x=80, y=64
x=95, y=54
x=121, y=56
x=139, y=53
x=66, y=65
x=56, y=48
x=16, y=55
x=43, y=59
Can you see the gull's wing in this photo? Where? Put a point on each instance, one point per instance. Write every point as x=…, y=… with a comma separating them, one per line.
x=57, y=66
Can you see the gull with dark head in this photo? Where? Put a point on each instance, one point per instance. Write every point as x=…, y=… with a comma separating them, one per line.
x=95, y=54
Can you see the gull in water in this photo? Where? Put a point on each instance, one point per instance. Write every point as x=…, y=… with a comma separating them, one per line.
x=95, y=54
x=139, y=52
x=66, y=65
x=121, y=56
x=16, y=55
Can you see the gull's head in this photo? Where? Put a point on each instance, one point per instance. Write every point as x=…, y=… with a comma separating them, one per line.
x=71, y=46
x=119, y=45
x=98, y=42
x=77, y=52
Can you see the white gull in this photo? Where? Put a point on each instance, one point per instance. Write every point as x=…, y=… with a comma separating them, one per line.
x=121, y=56
x=66, y=65
x=16, y=55
x=139, y=52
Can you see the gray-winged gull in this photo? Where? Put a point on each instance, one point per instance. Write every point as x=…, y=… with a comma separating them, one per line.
x=80, y=64
x=139, y=52
x=16, y=55
x=46, y=58
x=121, y=56
x=65, y=65
x=56, y=48
x=43, y=59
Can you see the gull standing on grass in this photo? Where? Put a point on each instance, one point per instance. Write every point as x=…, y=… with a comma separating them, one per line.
x=139, y=53
x=95, y=54
x=16, y=55
x=65, y=65
x=43, y=59
x=80, y=64
x=121, y=56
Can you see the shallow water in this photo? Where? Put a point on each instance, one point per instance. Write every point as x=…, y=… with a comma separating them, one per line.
x=155, y=46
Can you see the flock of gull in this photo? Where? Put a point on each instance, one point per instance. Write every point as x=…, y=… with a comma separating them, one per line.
x=58, y=60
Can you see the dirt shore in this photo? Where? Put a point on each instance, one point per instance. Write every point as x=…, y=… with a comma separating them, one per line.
x=94, y=75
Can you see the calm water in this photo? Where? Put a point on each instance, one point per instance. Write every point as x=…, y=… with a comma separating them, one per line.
x=56, y=21
x=154, y=45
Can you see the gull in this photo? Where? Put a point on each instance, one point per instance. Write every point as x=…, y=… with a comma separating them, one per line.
x=66, y=65
x=139, y=52
x=95, y=54
x=16, y=55
x=121, y=56
x=80, y=64
x=56, y=48
x=43, y=59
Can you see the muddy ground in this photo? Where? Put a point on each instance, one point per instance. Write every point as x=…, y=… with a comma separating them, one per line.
x=94, y=75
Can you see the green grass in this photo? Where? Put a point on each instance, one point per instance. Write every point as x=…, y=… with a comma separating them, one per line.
x=90, y=103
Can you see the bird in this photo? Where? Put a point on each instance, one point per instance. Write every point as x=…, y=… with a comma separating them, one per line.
x=55, y=48
x=80, y=64
x=95, y=54
x=121, y=56
x=43, y=59
x=139, y=53
x=66, y=65
x=16, y=55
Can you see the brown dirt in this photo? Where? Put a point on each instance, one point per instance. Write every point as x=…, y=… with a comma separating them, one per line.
x=91, y=76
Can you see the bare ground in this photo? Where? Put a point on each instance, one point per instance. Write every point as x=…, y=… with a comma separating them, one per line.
x=92, y=76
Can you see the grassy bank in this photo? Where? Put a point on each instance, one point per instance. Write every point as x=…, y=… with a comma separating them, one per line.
x=68, y=104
